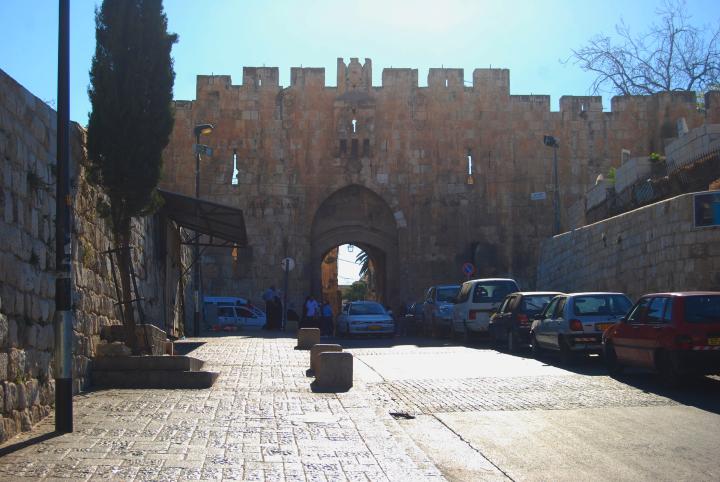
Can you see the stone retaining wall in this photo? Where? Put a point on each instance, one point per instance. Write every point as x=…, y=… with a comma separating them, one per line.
x=650, y=249
x=27, y=282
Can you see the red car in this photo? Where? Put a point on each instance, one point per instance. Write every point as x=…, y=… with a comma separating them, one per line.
x=672, y=333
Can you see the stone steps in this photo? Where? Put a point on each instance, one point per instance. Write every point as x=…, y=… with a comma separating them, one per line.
x=151, y=372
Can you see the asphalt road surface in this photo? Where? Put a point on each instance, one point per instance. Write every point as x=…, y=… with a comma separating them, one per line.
x=480, y=414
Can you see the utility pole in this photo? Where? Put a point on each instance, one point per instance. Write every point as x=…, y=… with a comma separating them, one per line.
x=550, y=141
x=198, y=130
x=63, y=322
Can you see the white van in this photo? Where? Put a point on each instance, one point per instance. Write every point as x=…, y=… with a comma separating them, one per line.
x=476, y=301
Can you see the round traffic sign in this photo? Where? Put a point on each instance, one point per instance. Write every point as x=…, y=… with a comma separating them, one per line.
x=287, y=264
x=468, y=269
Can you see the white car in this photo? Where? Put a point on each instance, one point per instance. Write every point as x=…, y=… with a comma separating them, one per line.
x=477, y=300
x=575, y=322
x=247, y=316
x=364, y=317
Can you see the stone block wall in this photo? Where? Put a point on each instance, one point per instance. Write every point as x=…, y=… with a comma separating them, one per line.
x=651, y=249
x=27, y=259
x=299, y=146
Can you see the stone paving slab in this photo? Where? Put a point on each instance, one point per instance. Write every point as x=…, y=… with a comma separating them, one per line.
x=517, y=393
x=260, y=421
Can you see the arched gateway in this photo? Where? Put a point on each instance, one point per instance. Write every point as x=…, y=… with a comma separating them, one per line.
x=356, y=215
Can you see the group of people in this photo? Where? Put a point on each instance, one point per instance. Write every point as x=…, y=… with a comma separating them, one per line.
x=317, y=315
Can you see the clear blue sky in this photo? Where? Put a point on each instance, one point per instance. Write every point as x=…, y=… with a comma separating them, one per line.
x=222, y=36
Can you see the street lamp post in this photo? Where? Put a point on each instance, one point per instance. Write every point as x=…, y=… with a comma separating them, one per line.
x=550, y=141
x=199, y=130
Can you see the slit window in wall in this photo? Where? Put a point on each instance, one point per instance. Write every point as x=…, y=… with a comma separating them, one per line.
x=366, y=148
x=446, y=82
x=343, y=147
x=354, y=148
x=235, y=180
x=354, y=124
x=259, y=82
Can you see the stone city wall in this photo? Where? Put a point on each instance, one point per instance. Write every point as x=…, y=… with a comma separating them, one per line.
x=651, y=249
x=27, y=260
x=297, y=146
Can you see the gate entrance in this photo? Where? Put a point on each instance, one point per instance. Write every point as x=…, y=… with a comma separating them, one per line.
x=358, y=216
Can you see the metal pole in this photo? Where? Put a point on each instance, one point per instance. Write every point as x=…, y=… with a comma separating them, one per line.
x=285, y=290
x=556, y=197
x=63, y=322
x=196, y=248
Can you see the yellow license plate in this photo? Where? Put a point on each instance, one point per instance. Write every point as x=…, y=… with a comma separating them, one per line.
x=713, y=341
x=374, y=327
x=603, y=326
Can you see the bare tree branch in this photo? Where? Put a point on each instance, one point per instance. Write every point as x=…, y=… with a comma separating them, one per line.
x=673, y=55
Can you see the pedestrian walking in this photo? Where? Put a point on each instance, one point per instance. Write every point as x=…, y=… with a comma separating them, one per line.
x=311, y=309
x=327, y=318
x=268, y=296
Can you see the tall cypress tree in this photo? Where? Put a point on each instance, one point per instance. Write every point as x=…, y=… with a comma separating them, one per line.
x=131, y=85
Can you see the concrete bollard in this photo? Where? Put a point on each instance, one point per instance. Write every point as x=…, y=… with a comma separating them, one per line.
x=307, y=337
x=169, y=348
x=315, y=354
x=335, y=371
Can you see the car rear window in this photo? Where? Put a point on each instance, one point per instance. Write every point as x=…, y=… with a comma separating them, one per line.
x=367, y=309
x=702, y=309
x=535, y=304
x=599, y=305
x=492, y=291
x=447, y=293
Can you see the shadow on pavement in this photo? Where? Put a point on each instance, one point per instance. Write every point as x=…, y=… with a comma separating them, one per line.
x=14, y=447
x=695, y=391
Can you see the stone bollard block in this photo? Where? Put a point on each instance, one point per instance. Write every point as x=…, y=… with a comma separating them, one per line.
x=315, y=354
x=169, y=348
x=307, y=337
x=335, y=371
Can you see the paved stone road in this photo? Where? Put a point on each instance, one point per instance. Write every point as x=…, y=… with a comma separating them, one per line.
x=259, y=422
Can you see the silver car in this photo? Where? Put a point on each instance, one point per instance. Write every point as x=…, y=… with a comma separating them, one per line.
x=575, y=322
x=364, y=317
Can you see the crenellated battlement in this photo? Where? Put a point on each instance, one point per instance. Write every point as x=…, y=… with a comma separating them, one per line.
x=491, y=85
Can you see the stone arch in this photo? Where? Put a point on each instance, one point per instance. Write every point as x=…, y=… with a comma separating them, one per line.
x=357, y=215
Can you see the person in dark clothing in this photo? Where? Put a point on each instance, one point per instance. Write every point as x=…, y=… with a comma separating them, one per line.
x=304, y=321
x=326, y=314
x=276, y=310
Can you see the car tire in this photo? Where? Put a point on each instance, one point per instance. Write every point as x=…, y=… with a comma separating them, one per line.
x=511, y=342
x=465, y=334
x=669, y=374
x=493, y=338
x=537, y=350
x=566, y=354
x=611, y=362
x=434, y=330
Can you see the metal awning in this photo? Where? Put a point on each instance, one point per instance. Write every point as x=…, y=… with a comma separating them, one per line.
x=205, y=217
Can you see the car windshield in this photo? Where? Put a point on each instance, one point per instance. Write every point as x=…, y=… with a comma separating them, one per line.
x=367, y=309
x=702, y=309
x=447, y=293
x=533, y=305
x=492, y=291
x=599, y=305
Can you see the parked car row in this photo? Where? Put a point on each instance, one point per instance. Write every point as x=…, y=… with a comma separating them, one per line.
x=672, y=333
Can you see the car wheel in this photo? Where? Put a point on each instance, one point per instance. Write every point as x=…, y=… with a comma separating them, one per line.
x=537, y=350
x=465, y=334
x=669, y=374
x=611, y=361
x=511, y=342
x=566, y=354
x=434, y=331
